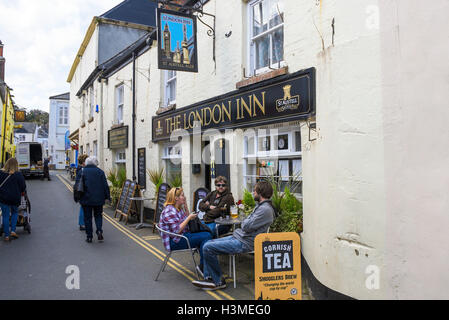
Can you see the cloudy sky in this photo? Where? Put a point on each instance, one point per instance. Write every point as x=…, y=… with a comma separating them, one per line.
x=41, y=39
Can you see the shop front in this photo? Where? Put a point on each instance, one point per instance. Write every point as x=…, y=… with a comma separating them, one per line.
x=244, y=135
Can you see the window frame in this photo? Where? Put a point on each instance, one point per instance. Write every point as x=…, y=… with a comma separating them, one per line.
x=118, y=105
x=251, y=44
x=167, y=88
x=118, y=152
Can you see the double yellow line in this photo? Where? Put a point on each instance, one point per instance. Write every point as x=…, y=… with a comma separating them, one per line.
x=219, y=295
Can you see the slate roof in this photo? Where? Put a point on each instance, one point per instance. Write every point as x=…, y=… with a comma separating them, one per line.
x=134, y=11
x=27, y=127
x=64, y=96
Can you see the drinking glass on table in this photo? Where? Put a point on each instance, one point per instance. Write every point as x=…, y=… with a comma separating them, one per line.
x=234, y=212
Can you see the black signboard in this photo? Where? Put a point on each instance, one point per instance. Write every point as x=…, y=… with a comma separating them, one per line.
x=141, y=168
x=177, y=48
x=286, y=98
x=118, y=138
x=278, y=256
x=121, y=201
x=161, y=198
x=125, y=205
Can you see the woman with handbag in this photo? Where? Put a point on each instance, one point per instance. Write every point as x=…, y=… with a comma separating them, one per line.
x=12, y=185
x=175, y=219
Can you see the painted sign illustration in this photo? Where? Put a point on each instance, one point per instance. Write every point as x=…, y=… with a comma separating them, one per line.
x=177, y=41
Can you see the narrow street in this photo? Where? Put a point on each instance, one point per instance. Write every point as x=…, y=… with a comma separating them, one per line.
x=123, y=267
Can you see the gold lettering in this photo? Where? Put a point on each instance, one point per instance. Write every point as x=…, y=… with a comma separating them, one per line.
x=248, y=108
x=178, y=122
x=199, y=118
x=168, y=122
x=238, y=109
x=205, y=117
x=185, y=121
x=261, y=106
x=213, y=114
x=227, y=112
x=190, y=119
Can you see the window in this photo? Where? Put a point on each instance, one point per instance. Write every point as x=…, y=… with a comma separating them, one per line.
x=266, y=34
x=84, y=108
x=274, y=153
x=88, y=149
x=173, y=157
x=119, y=98
x=120, y=156
x=91, y=102
x=95, y=148
x=170, y=87
x=63, y=115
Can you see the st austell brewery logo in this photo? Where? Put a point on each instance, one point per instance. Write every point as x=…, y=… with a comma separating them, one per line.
x=288, y=102
x=159, y=130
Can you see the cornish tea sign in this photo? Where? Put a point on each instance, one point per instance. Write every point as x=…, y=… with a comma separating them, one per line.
x=277, y=266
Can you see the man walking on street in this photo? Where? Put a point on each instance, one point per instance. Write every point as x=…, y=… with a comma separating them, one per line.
x=241, y=241
x=96, y=191
x=46, y=169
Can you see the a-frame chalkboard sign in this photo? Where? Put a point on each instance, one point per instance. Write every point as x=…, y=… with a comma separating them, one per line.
x=164, y=188
x=125, y=206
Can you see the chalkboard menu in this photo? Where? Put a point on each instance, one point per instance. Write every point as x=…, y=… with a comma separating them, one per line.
x=141, y=168
x=125, y=206
x=118, y=138
x=121, y=200
x=161, y=198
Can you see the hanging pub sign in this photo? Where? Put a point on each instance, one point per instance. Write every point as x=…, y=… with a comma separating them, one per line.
x=19, y=116
x=177, y=49
x=286, y=98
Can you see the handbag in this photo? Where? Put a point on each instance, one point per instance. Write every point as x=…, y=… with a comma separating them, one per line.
x=4, y=181
x=78, y=189
x=195, y=226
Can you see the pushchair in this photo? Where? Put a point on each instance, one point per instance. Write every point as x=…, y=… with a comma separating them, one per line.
x=23, y=219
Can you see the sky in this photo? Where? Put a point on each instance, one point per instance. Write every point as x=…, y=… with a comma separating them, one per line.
x=41, y=39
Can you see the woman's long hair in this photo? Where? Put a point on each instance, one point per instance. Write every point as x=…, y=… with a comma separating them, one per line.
x=11, y=166
x=171, y=196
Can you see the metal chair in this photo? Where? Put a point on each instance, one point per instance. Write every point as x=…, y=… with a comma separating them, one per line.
x=167, y=257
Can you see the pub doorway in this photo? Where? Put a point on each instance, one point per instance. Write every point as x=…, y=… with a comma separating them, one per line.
x=222, y=159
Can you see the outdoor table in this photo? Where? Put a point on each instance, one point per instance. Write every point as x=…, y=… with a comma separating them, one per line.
x=142, y=224
x=227, y=222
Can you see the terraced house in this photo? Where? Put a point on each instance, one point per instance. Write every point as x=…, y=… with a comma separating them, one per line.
x=323, y=92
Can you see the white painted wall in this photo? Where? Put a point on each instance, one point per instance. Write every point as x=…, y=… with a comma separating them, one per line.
x=375, y=179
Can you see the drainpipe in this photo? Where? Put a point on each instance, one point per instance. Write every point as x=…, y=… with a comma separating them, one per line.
x=134, y=117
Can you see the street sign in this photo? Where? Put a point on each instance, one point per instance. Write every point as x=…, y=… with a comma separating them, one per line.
x=277, y=263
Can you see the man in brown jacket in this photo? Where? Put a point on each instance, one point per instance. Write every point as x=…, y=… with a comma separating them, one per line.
x=217, y=204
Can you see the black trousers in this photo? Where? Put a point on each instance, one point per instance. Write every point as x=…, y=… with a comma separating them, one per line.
x=97, y=212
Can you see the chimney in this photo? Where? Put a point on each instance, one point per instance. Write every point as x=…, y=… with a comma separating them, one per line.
x=2, y=64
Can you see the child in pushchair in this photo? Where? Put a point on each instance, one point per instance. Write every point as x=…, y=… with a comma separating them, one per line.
x=23, y=219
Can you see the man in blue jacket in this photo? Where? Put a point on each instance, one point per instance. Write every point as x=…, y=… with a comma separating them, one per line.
x=96, y=191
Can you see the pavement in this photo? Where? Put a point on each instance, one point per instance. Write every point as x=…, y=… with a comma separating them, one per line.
x=41, y=265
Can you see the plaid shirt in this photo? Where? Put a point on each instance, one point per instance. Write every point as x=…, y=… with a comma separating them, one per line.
x=170, y=221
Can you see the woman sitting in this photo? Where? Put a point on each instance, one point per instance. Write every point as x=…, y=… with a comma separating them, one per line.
x=175, y=218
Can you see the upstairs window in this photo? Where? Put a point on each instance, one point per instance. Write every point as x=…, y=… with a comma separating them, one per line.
x=119, y=98
x=91, y=102
x=63, y=115
x=170, y=87
x=266, y=34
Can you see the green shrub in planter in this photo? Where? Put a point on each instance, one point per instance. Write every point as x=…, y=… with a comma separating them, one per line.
x=248, y=201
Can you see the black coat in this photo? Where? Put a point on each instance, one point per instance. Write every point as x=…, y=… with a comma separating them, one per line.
x=96, y=189
x=11, y=191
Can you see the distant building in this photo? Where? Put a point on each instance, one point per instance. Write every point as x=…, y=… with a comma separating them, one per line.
x=25, y=132
x=59, y=124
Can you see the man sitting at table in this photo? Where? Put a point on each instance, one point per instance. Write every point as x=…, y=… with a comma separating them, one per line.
x=241, y=241
x=217, y=204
